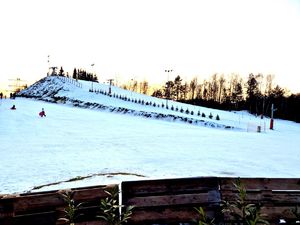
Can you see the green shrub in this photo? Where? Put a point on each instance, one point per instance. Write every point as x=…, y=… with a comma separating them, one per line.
x=242, y=211
x=110, y=209
x=203, y=219
x=71, y=210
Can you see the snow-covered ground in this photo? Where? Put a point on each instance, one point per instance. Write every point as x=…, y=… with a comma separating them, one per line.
x=104, y=147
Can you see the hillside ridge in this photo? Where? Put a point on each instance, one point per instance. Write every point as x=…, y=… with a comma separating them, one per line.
x=63, y=90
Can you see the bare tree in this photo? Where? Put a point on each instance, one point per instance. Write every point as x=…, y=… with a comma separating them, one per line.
x=213, y=87
x=184, y=90
x=269, y=84
x=193, y=86
x=144, y=86
x=221, y=86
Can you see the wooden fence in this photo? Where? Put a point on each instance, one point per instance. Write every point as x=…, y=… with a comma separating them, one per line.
x=168, y=201
x=47, y=208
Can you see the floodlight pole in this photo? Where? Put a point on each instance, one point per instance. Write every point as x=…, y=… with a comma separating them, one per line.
x=92, y=65
x=110, y=83
x=48, y=74
x=272, y=115
x=168, y=87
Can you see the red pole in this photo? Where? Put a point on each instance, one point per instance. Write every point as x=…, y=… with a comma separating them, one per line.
x=271, y=124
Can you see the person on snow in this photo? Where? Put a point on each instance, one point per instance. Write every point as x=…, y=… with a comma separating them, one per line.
x=13, y=107
x=42, y=113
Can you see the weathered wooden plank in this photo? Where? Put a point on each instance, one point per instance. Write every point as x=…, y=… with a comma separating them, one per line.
x=170, y=186
x=274, y=198
x=274, y=213
x=262, y=183
x=39, y=202
x=212, y=197
x=45, y=218
x=167, y=215
x=90, y=194
x=92, y=222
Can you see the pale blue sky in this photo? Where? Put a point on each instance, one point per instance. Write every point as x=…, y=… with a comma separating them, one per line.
x=140, y=39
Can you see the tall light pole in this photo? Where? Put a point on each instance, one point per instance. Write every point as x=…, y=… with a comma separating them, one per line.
x=48, y=66
x=131, y=90
x=168, y=87
x=110, y=83
x=92, y=65
x=272, y=117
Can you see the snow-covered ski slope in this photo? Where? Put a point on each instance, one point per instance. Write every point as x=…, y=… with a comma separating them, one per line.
x=105, y=140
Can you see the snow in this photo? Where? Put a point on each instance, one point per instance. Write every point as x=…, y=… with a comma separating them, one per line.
x=110, y=147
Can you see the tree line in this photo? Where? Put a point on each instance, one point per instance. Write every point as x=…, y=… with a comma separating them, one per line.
x=78, y=74
x=81, y=74
x=256, y=94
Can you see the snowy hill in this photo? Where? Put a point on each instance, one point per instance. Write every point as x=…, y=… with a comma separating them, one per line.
x=64, y=90
x=90, y=138
x=69, y=91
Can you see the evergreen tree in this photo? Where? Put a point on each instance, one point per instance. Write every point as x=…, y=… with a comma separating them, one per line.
x=61, y=72
x=169, y=90
x=177, y=87
x=74, y=73
x=157, y=93
x=252, y=93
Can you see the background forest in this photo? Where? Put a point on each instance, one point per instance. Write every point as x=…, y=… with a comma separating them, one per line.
x=255, y=94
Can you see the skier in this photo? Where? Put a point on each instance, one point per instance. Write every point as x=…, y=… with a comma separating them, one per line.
x=42, y=113
x=13, y=107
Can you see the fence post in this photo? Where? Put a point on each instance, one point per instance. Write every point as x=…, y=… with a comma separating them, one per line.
x=6, y=211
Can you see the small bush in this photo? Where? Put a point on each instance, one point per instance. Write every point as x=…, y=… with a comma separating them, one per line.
x=203, y=115
x=109, y=209
x=172, y=108
x=181, y=110
x=217, y=117
x=210, y=116
x=203, y=219
x=187, y=111
x=71, y=211
x=242, y=211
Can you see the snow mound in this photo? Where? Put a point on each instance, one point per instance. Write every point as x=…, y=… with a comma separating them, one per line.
x=64, y=90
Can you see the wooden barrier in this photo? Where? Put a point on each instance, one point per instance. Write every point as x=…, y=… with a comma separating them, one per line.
x=171, y=200
x=168, y=201
x=276, y=197
x=46, y=208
